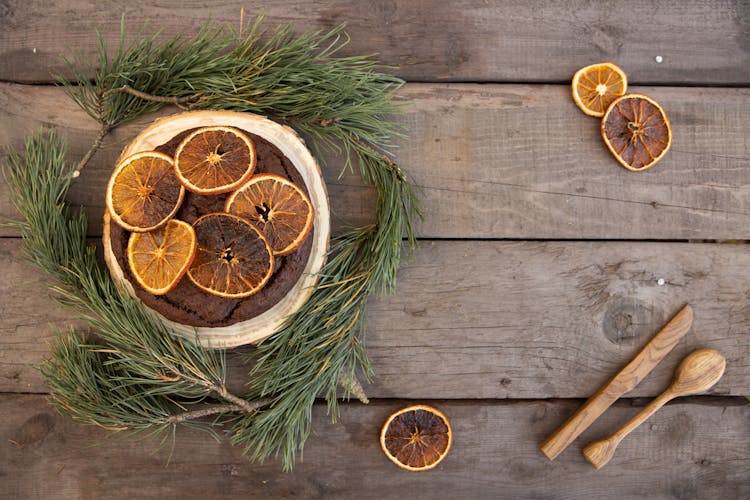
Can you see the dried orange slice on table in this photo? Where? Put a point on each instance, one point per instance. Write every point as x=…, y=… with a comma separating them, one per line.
x=214, y=160
x=416, y=438
x=596, y=86
x=637, y=131
x=143, y=192
x=233, y=258
x=159, y=259
x=281, y=210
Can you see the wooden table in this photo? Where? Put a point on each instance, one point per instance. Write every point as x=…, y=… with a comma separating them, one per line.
x=543, y=266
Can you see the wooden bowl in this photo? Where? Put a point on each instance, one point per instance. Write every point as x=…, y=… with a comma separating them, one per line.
x=290, y=144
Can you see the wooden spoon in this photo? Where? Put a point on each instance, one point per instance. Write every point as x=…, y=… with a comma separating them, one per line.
x=698, y=372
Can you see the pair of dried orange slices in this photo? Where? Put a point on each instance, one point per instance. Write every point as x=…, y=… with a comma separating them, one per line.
x=634, y=127
x=229, y=254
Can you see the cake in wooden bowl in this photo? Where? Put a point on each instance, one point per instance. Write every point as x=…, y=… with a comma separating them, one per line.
x=219, y=223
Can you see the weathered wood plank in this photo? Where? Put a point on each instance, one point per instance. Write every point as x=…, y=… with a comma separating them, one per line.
x=493, y=319
x=556, y=318
x=523, y=162
x=689, y=450
x=501, y=161
x=430, y=40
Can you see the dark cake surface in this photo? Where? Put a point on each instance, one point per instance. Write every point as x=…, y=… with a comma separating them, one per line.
x=188, y=304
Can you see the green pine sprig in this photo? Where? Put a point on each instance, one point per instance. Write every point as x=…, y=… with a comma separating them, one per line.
x=140, y=376
x=139, y=356
x=295, y=79
x=321, y=348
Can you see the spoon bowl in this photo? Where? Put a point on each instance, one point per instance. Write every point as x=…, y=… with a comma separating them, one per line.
x=698, y=372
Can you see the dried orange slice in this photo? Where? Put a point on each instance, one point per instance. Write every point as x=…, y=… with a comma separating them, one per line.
x=596, y=86
x=637, y=131
x=281, y=210
x=233, y=258
x=214, y=160
x=416, y=438
x=143, y=192
x=159, y=259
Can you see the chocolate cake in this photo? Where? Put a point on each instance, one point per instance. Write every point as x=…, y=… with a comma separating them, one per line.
x=187, y=304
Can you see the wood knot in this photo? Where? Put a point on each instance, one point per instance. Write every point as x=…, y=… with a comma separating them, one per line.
x=35, y=429
x=626, y=322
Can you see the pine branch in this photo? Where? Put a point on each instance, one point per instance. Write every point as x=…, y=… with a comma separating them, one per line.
x=296, y=79
x=241, y=406
x=202, y=413
x=177, y=101
x=87, y=383
x=144, y=373
x=247, y=407
x=322, y=343
x=103, y=131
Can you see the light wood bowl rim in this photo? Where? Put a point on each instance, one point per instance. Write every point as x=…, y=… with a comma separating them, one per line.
x=292, y=146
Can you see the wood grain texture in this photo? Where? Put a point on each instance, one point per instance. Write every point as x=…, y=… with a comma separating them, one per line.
x=700, y=41
x=690, y=450
x=493, y=319
x=524, y=162
x=562, y=317
x=499, y=161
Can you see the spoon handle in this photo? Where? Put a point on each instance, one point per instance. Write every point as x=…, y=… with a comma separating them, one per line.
x=643, y=415
x=600, y=452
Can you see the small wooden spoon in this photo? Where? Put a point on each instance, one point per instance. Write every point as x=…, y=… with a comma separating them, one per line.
x=698, y=372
